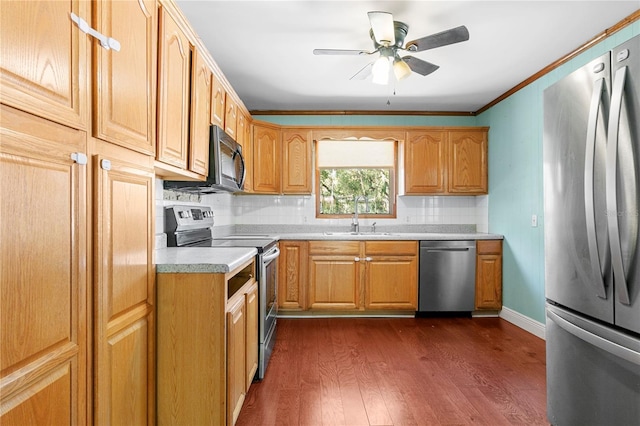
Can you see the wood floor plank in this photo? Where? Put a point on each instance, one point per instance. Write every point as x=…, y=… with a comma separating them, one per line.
x=400, y=371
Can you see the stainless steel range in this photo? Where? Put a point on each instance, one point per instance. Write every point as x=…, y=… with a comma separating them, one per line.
x=190, y=226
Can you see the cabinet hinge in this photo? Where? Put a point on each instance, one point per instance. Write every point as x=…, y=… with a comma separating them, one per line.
x=106, y=42
x=79, y=158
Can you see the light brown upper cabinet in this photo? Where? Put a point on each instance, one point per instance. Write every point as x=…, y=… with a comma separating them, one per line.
x=231, y=116
x=43, y=60
x=446, y=161
x=266, y=159
x=468, y=161
x=248, y=158
x=425, y=162
x=173, y=92
x=200, y=115
x=296, y=161
x=281, y=159
x=124, y=82
x=218, y=96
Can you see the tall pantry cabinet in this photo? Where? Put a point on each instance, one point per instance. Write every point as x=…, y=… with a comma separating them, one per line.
x=76, y=148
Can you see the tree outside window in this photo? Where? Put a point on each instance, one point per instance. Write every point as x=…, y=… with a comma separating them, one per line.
x=350, y=170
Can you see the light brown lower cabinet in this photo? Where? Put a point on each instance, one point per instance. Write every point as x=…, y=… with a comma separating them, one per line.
x=207, y=345
x=293, y=275
x=489, y=274
x=43, y=291
x=76, y=348
x=363, y=275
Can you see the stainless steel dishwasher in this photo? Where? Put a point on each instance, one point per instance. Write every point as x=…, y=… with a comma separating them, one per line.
x=447, y=276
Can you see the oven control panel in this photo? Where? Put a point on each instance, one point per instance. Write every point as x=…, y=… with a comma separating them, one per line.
x=182, y=218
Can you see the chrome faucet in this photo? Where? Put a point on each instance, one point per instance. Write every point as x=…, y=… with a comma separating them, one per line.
x=355, y=225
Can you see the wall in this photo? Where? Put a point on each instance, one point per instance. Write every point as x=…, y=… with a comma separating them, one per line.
x=300, y=210
x=515, y=181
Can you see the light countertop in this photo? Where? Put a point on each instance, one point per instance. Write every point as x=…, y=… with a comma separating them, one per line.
x=201, y=259
x=388, y=236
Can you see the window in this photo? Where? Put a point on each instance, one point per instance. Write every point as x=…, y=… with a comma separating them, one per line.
x=350, y=172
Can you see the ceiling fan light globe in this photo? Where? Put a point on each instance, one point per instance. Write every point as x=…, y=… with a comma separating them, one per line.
x=401, y=69
x=382, y=26
x=380, y=70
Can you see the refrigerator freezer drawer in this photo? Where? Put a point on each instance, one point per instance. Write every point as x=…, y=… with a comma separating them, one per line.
x=593, y=372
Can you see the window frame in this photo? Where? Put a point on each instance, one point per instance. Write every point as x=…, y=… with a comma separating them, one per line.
x=393, y=181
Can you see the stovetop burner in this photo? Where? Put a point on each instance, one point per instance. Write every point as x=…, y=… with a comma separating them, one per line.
x=262, y=245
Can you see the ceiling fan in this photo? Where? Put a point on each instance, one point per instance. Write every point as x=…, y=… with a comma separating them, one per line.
x=388, y=39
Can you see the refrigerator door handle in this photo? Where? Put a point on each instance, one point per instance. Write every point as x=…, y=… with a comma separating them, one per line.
x=595, y=340
x=612, y=187
x=589, y=202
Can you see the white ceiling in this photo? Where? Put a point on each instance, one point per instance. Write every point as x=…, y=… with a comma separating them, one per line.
x=264, y=48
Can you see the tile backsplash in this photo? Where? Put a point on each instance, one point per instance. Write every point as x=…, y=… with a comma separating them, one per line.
x=232, y=210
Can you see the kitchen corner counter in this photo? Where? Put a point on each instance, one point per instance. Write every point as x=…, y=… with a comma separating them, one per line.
x=194, y=260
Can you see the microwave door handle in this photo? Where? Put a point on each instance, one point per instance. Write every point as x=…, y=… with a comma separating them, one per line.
x=619, y=278
x=589, y=202
x=240, y=182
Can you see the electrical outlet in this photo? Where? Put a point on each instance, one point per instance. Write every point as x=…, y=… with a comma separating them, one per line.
x=534, y=220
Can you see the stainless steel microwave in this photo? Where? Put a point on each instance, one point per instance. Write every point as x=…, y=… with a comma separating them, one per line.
x=226, y=167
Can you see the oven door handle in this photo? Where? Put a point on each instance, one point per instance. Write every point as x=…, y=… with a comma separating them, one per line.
x=270, y=255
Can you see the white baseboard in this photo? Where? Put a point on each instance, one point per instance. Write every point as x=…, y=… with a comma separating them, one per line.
x=532, y=326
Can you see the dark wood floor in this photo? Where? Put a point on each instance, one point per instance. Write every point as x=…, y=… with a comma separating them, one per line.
x=400, y=371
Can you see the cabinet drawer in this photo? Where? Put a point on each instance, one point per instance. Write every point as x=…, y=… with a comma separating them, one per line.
x=391, y=247
x=334, y=247
x=489, y=246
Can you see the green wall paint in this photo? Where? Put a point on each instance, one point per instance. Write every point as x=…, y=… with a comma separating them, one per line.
x=515, y=172
x=515, y=181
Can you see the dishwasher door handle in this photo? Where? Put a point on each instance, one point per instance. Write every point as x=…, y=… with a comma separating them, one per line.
x=440, y=249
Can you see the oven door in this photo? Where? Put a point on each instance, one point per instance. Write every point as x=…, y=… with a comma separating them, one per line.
x=268, y=300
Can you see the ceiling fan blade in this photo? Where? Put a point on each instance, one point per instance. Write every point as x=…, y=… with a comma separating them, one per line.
x=419, y=66
x=340, y=52
x=363, y=73
x=444, y=38
x=382, y=27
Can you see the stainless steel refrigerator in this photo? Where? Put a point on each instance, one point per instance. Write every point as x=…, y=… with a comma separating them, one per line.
x=592, y=260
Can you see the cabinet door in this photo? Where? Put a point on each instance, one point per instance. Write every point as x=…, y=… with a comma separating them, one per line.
x=391, y=282
x=43, y=296
x=231, y=116
x=218, y=96
x=296, y=161
x=124, y=82
x=293, y=273
x=247, y=152
x=489, y=274
x=252, y=338
x=236, y=361
x=334, y=282
x=124, y=290
x=173, y=92
x=425, y=162
x=43, y=60
x=468, y=161
x=200, y=116
x=266, y=160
